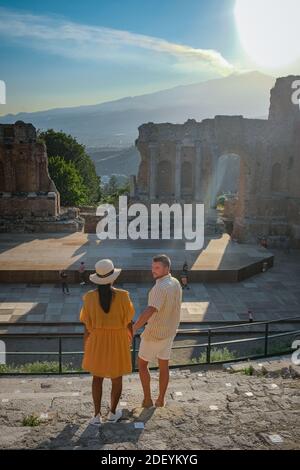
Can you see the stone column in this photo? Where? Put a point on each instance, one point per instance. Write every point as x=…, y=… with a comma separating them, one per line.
x=197, y=172
x=178, y=171
x=152, y=176
x=215, y=158
x=132, y=185
x=9, y=180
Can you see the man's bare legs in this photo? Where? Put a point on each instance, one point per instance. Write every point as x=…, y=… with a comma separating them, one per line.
x=163, y=381
x=145, y=381
x=116, y=391
x=97, y=394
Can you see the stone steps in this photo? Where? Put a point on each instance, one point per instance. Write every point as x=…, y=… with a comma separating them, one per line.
x=205, y=409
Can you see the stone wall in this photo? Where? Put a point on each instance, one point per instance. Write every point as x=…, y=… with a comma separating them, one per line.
x=29, y=200
x=179, y=162
x=25, y=185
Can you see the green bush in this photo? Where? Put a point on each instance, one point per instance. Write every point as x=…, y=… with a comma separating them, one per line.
x=112, y=191
x=31, y=420
x=36, y=368
x=248, y=370
x=221, y=201
x=216, y=355
x=68, y=182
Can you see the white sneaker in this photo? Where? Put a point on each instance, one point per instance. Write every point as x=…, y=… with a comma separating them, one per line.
x=113, y=418
x=96, y=421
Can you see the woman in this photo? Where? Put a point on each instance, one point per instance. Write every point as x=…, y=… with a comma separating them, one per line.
x=107, y=314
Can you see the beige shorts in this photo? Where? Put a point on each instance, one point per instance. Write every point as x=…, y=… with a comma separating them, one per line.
x=149, y=350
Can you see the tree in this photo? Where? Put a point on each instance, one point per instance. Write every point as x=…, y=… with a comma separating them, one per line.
x=67, y=147
x=112, y=186
x=112, y=190
x=68, y=181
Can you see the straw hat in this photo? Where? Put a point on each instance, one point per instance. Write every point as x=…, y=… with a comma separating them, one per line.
x=105, y=272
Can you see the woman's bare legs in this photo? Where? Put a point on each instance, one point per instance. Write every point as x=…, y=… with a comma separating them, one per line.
x=97, y=393
x=116, y=391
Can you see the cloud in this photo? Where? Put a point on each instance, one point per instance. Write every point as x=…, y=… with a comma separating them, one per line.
x=80, y=41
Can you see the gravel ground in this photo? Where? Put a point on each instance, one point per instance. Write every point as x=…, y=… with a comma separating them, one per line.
x=205, y=410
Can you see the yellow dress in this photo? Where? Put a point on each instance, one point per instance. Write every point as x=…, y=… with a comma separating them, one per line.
x=107, y=349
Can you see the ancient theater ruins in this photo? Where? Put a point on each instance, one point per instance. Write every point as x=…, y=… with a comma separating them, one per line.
x=29, y=200
x=257, y=160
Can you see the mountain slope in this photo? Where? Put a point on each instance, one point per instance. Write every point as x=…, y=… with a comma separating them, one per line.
x=115, y=123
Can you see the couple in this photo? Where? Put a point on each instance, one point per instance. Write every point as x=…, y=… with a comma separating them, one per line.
x=107, y=314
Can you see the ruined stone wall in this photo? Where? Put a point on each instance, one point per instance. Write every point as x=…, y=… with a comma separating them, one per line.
x=26, y=188
x=179, y=163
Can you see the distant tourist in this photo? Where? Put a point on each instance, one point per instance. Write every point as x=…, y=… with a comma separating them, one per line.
x=81, y=271
x=250, y=316
x=107, y=314
x=64, y=282
x=184, y=276
x=264, y=242
x=162, y=316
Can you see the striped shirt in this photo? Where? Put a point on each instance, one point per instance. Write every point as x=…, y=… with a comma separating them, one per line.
x=165, y=296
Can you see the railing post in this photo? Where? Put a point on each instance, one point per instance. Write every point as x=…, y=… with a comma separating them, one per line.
x=59, y=355
x=208, y=346
x=266, y=338
x=133, y=354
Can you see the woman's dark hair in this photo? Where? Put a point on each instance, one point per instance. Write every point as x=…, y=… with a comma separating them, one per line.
x=105, y=296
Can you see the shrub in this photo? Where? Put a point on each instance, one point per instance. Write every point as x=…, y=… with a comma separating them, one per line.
x=31, y=420
x=216, y=355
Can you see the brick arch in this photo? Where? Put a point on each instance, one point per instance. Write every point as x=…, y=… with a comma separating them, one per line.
x=223, y=181
x=245, y=183
x=246, y=163
x=163, y=177
x=187, y=177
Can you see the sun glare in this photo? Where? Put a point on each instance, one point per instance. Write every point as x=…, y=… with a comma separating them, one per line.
x=269, y=30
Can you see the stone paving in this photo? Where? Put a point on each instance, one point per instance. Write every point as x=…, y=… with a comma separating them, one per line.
x=271, y=295
x=65, y=251
x=205, y=410
x=275, y=367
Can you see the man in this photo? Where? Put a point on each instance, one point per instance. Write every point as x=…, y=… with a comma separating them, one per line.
x=162, y=316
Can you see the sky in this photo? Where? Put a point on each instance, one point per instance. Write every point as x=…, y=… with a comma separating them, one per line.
x=69, y=53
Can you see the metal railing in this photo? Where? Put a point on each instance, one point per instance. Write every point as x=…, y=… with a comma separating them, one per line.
x=208, y=346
